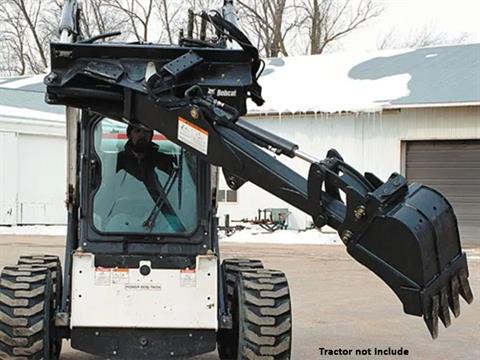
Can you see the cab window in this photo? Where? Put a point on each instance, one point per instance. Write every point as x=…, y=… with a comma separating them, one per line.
x=147, y=182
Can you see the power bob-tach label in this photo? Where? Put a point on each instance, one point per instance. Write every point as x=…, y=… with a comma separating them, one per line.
x=192, y=135
x=143, y=287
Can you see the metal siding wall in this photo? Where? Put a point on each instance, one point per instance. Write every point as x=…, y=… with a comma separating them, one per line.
x=368, y=141
x=452, y=167
x=315, y=135
x=8, y=178
x=41, y=179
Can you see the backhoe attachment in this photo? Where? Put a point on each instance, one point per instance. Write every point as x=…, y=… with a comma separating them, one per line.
x=407, y=234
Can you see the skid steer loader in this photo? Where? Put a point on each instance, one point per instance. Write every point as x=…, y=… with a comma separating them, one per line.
x=147, y=127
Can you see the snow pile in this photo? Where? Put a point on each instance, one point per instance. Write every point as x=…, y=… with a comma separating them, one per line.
x=321, y=83
x=472, y=253
x=40, y=230
x=287, y=237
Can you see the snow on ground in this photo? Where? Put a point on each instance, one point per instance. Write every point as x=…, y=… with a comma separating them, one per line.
x=251, y=235
x=248, y=235
x=472, y=253
x=259, y=235
x=34, y=230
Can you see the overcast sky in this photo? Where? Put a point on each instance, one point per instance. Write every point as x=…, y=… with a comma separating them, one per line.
x=407, y=16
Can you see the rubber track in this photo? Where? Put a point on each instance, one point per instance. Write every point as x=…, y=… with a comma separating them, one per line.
x=265, y=315
x=22, y=306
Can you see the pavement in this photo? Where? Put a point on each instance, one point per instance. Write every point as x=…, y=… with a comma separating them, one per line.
x=337, y=304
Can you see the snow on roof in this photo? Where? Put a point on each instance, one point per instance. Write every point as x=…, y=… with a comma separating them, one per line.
x=24, y=98
x=25, y=113
x=362, y=81
x=28, y=83
x=371, y=81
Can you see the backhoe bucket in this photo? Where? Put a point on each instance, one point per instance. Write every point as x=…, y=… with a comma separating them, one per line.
x=414, y=246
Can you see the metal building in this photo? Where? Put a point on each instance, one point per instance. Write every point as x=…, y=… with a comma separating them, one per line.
x=413, y=111
x=32, y=155
x=416, y=112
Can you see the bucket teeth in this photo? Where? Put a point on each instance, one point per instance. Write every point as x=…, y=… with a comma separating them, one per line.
x=465, y=290
x=444, y=312
x=454, y=300
x=432, y=319
x=448, y=297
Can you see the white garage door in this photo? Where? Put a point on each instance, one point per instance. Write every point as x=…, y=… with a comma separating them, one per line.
x=8, y=178
x=453, y=168
x=41, y=180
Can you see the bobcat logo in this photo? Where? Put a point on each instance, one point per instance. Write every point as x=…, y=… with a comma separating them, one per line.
x=222, y=92
x=226, y=93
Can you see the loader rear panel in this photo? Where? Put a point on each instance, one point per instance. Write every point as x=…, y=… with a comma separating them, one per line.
x=144, y=296
x=145, y=344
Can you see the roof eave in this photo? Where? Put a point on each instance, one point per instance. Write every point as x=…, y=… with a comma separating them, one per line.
x=431, y=105
x=384, y=107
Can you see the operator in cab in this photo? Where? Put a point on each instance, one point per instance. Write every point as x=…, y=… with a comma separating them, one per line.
x=140, y=158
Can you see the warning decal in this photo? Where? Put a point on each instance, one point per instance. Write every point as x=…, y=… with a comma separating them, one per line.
x=120, y=276
x=192, y=135
x=188, y=278
x=102, y=276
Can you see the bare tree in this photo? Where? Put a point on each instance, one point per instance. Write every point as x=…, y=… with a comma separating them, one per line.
x=25, y=34
x=139, y=14
x=267, y=20
x=421, y=37
x=30, y=15
x=327, y=21
x=12, y=40
x=197, y=6
x=168, y=12
x=166, y=20
x=387, y=39
x=28, y=26
x=53, y=15
x=7, y=67
x=99, y=18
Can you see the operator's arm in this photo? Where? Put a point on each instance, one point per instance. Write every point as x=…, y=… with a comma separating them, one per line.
x=164, y=162
x=121, y=161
